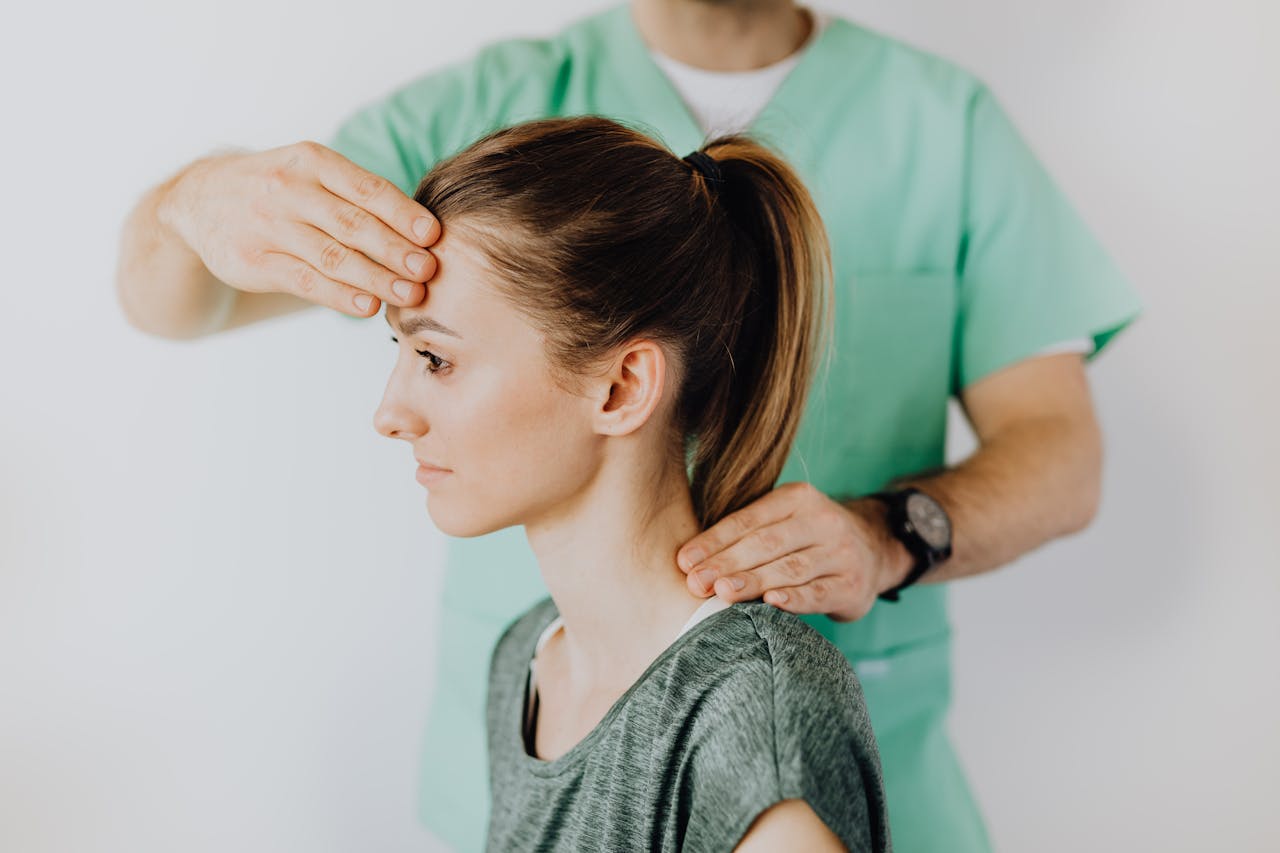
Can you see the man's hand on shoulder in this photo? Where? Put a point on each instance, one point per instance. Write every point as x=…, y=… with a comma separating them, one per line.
x=801, y=551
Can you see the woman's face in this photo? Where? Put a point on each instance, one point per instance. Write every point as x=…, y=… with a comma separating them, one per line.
x=472, y=393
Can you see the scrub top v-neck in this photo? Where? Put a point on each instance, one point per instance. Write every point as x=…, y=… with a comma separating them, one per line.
x=955, y=255
x=654, y=99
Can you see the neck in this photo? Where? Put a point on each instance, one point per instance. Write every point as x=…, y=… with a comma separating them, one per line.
x=728, y=35
x=609, y=562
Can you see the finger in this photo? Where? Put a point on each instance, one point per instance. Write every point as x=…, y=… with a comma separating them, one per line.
x=760, y=546
x=350, y=266
x=791, y=569
x=294, y=275
x=823, y=594
x=352, y=226
x=773, y=506
x=696, y=588
x=378, y=196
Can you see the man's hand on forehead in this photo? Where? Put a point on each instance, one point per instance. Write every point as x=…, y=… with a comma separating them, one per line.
x=304, y=220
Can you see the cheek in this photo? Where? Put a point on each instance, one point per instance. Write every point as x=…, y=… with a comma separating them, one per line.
x=516, y=443
x=528, y=428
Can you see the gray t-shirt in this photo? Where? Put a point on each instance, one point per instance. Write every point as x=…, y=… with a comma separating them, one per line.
x=748, y=707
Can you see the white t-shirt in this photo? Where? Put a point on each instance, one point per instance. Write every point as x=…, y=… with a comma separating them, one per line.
x=727, y=102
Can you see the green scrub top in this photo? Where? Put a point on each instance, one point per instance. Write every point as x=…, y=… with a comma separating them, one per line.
x=954, y=254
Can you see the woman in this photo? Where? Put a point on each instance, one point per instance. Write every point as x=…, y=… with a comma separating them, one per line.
x=614, y=353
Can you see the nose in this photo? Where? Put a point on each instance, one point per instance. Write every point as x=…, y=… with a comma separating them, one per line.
x=396, y=416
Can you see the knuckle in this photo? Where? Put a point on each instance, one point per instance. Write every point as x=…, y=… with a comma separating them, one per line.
x=248, y=255
x=819, y=589
x=767, y=539
x=743, y=522
x=802, y=488
x=793, y=566
x=380, y=283
x=332, y=256
x=277, y=177
x=370, y=186
x=304, y=279
x=291, y=156
x=350, y=219
x=304, y=149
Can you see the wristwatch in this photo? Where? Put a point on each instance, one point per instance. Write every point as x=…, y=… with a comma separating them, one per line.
x=922, y=525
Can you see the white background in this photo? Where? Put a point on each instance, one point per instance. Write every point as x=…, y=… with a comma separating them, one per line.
x=218, y=584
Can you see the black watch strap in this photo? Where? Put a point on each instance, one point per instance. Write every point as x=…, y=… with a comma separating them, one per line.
x=893, y=500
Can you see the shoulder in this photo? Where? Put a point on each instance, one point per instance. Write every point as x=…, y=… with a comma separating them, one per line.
x=403, y=131
x=779, y=715
x=902, y=66
x=798, y=656
x=786, y=687
x=777, y=668
x=483, y=89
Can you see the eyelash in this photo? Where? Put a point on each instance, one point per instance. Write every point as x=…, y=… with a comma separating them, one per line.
x=435, y=364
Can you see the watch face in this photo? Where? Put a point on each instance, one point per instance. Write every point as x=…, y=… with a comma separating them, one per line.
x=929, y=520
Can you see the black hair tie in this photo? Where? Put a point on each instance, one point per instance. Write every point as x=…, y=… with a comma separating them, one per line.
x=706, y=164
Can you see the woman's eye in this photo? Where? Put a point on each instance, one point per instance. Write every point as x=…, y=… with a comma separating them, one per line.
x=435, y=363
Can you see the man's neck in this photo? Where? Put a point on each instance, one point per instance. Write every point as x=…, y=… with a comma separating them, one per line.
x=728, y=35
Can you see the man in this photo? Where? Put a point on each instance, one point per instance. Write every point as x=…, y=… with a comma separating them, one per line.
x=960, y=270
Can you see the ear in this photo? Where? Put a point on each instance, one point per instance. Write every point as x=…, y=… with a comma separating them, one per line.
x=631, y=389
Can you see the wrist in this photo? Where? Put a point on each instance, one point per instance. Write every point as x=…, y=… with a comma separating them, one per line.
x=178, y=196
x=896, y=561
x=171, y=202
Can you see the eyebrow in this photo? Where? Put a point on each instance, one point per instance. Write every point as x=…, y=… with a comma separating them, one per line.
x=421, y=323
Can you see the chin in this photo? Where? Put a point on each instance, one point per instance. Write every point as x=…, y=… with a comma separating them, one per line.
x=462, y=524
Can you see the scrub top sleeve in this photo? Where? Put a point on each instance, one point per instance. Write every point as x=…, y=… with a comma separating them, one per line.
x=371, y=139
x=1031, y=274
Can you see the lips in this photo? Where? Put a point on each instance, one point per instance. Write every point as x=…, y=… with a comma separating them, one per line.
x=428, y=465
x=428, y=474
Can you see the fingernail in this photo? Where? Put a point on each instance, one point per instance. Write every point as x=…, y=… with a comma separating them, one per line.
x=402, y=288
x=363, y=301
x=415, y=262
x=706, y=577
x=421, y=226
x=736, y=582
x=692, y=558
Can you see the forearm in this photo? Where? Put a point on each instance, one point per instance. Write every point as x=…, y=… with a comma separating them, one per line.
x=1032, y=482
x=162, y=285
